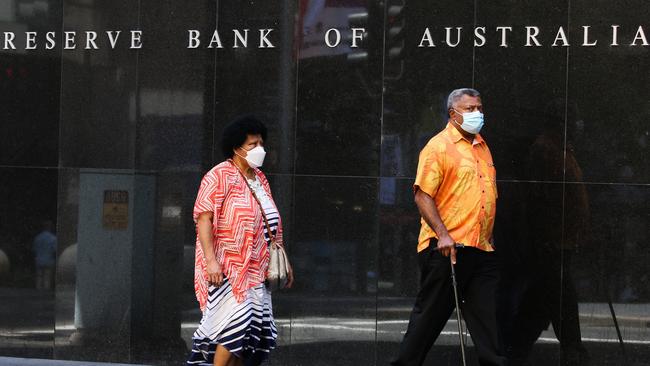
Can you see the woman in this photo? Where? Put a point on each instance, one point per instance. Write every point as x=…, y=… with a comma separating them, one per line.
x=232, y=253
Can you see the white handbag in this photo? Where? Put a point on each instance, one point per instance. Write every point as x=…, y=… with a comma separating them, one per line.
x=278, y=272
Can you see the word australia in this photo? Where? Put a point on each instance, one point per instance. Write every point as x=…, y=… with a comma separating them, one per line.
x=531, y=36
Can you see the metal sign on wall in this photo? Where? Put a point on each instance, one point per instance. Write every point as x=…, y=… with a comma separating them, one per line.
x=115, y=214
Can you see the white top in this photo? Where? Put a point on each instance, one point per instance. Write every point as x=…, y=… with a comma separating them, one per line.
x=272, y=214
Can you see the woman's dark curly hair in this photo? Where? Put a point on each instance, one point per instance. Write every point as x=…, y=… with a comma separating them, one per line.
x=235, y=134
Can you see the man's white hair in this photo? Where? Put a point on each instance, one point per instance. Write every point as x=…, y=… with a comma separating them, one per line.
x=455, y=95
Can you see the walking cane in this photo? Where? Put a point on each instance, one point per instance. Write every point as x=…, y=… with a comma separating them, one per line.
x=458, y=314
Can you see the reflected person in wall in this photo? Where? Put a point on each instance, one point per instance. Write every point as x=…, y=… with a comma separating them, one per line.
x=556, y=223
x=44, y=248
x=455, y=192
x=232, y=208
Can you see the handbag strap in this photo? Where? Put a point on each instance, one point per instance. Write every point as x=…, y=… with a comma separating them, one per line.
x=266, y=221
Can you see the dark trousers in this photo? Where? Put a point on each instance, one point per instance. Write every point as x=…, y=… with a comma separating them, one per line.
x=477, y=274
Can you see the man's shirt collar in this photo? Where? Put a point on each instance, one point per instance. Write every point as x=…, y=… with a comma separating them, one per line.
x=456, y=136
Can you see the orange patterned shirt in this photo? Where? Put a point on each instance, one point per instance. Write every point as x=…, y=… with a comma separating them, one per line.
x=461, y=178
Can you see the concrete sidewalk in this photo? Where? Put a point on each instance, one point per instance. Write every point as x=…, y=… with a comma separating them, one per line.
x=11, y=361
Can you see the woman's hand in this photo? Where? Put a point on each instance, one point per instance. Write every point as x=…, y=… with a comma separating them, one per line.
x=289, y=277
x=215, y=274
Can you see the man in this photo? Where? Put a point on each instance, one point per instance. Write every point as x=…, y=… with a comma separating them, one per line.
x=44, y=248
x=455, y=191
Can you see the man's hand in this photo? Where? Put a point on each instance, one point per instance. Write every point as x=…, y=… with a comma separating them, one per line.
x=429, y=212
x=447, y=246
x=215, y=275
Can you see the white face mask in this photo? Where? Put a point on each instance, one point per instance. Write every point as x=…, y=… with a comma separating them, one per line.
x=255, y=156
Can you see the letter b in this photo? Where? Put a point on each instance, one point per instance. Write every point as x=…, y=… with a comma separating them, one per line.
x=193, y=41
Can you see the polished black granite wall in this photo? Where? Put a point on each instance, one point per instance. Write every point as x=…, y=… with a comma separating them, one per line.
x=567, y=127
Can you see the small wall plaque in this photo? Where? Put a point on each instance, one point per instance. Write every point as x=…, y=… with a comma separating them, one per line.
x=116, y=210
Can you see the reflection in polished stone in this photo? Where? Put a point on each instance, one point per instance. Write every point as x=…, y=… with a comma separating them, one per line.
x=333, y=252
x=98, y=90
x=338, y=95
x=518, y=82
x=28, y=206
x=414, y=108
x=30, y=85
x=567, y=127
x=556, y=218
x=608, y=89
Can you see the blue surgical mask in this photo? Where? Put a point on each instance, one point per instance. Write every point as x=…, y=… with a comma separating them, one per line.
x=472, y=122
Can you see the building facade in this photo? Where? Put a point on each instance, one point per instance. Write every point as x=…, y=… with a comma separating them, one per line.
x=112, y=111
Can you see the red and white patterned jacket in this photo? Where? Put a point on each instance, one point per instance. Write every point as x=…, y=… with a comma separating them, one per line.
x=238, y=229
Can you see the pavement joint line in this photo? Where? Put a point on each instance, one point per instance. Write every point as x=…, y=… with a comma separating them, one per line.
x=15, y=361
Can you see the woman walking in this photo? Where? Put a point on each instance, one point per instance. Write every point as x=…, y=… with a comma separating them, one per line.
x=236, y=220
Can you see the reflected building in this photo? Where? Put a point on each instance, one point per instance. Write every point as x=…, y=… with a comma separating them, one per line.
x=111, y=143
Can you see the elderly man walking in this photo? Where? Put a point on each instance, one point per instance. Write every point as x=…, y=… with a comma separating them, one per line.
x=455, y=191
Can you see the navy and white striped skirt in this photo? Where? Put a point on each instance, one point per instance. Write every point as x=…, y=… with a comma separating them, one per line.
x=246, y=329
